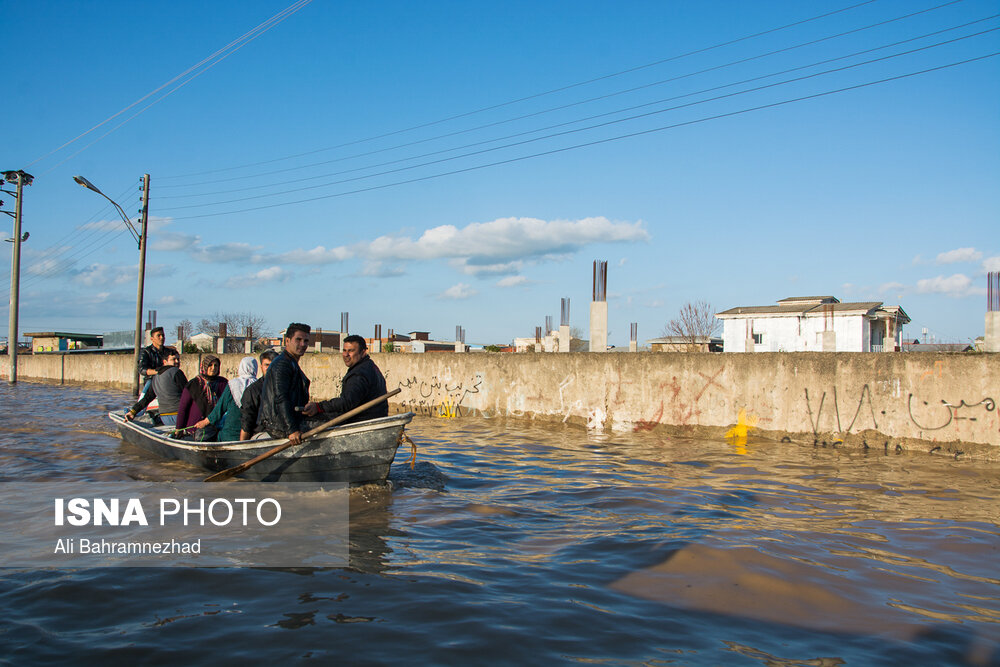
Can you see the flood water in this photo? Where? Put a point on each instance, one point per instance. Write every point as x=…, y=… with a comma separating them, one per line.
x=528, y=544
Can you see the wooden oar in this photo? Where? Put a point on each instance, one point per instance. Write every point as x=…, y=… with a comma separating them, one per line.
x=235, y=470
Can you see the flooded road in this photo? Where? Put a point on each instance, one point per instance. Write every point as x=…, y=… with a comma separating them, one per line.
x=519, y=543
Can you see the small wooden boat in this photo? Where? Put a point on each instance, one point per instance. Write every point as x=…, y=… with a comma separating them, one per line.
x=358, y=453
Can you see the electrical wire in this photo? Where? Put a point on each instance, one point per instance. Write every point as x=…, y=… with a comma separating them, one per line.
x=545, y=93
x=584, y=119
x=603, y=141
x=208, y=63
x=577, y=130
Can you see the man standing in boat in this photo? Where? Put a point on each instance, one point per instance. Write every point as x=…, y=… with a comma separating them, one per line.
x=362, y=383
x=286, y=388
x=151, y=357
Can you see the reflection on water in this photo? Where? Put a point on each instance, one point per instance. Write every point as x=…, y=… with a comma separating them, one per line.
x=521, y=543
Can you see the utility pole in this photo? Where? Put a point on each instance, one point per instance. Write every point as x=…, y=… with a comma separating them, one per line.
x=144, y=213
x=20, y=178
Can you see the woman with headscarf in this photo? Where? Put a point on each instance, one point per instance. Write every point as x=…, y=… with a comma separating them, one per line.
x=199, y=397
x=225, y=416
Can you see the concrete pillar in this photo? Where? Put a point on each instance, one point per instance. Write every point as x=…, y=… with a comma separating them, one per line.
x=633, y=346
x=318, y=345
x=248, y=346
x=991, y=341
x=748, y=344
x=220, y=345
x=564, y=338
x=598, y=326
x=376, y=346
x=460, y=346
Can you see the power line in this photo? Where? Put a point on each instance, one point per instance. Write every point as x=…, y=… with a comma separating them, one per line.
x=587, y=118
x=547, y=92
x=602, y=141
x=577, y=130
x=217, y=57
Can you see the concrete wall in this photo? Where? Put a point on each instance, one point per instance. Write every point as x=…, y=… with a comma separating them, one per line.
x=944, y=403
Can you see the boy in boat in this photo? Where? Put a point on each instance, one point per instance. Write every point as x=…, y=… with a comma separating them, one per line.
x=362, y=383
x=166, y=386
x=285, y=389
x=151, y=357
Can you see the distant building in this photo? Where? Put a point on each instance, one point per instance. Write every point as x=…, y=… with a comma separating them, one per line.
x=813, y=324
x=685, y=344
x=62, y=341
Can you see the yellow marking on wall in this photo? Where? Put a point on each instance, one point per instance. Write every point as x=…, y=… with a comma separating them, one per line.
x=737, y=435
x=447, y=410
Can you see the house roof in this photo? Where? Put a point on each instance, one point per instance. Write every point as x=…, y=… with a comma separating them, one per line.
x=61, y=334
x=809, y=306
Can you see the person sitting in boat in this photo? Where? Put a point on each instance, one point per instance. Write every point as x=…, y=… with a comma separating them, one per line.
x=250, y=407
x=199, y=397
x=225, y=416
x=362, y=383
x=151, y=357
x=286, y=387
x=166, y=387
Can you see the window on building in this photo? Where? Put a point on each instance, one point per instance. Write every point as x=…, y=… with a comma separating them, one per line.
x=758, y=338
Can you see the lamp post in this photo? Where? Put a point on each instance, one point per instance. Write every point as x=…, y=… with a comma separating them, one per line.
x=20, y=179
x=140, y=237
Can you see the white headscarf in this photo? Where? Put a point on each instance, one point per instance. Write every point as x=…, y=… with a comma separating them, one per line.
x=246, y=374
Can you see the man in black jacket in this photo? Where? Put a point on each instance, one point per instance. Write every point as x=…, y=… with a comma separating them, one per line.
x=250, y=406
x=286, y=388
x=151, y=357
x=362, y=383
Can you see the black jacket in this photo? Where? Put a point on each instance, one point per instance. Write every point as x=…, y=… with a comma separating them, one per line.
x=362, y=382
x=150, y=358
x=285, y=388
x=250, y=408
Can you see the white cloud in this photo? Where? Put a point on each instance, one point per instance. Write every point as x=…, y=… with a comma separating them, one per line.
x=991, y=264
x=472, y=268
x=105, y=274
x=174, y=241
x=317, y=255
x=506, y=239
x=512, y=281
x=105, y=226
x=459, y=291
x=382, y=270
x=959, y=255
x=224, y=252
x=170, y=301
x=956, y=285
x=272, y=274
x=891, y=287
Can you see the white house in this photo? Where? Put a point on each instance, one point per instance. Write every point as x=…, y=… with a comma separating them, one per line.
x=813, y=324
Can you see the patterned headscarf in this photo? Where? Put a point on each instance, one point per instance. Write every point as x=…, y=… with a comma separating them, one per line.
x=246, y=374
x=205, y=389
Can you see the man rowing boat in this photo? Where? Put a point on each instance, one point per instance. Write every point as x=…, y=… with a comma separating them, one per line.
x=362, y=382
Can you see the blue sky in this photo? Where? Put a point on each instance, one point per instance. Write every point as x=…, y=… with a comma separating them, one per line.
x=427, y=165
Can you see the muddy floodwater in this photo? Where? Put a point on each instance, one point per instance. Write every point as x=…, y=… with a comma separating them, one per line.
x=519, y=543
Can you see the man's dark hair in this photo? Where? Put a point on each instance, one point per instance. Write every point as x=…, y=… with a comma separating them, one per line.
x=297, y=326
x=268, y=355
x=155, y=330
x=355, y=338
x=169, y=352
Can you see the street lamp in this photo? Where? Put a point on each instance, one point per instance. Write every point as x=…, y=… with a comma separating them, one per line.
x=141, y=240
